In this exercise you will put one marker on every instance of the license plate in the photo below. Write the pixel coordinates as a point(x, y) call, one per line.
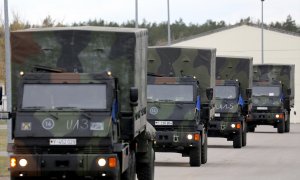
point(164, 123)
point(217, 115)
point(63, 142)
point(262, 108)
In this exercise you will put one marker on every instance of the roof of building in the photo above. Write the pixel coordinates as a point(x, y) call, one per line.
point(231, 27)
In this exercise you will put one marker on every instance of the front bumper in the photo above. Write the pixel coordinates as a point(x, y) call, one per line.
point(63, 165)
point(257, 118)
point(223, 128)
point(174, 141)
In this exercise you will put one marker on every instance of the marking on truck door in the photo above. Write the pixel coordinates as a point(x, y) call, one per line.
point(97, 126)
point(153, 110)
point(224, 106)
point(26, 126)
point(77, 124)
point(48, 124)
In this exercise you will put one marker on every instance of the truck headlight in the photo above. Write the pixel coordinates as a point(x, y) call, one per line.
point(101, 162)
point(23, 162)
point(233, 125)
point(189, 136)
point(279, 116)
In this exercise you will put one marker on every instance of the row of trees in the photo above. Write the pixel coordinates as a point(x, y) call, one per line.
point(157, 31)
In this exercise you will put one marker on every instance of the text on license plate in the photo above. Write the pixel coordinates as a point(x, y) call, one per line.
point(63, 142)
point(164, 123)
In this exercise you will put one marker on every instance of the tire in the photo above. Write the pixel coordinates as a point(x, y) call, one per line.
point(237, 140)
point(251, 128)
point(281, 127)
point(195, 156)
point(288, 124)
point(129, 174)
point(204, 151)
point(244, 135)
point(145, 171)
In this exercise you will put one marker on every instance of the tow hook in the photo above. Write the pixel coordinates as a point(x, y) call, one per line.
point(175, 138)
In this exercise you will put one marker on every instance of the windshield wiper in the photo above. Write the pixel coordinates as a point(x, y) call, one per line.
point(166, 100)
point(66, 107)
point(35, 107)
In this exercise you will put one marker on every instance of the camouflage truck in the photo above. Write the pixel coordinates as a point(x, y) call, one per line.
point(79, 104)
point(273, 96)
point(180, 99)
point(233, 92)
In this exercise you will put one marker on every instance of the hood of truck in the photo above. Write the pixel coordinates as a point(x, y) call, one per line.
point(266, 101)
point(62, 124)
point(171, 111)
point(226, 106)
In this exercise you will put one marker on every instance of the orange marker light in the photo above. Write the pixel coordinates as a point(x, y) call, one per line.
point(279, 116)
point(197, 137)
point(112, 162)
point(238, 126)
point(13, 162)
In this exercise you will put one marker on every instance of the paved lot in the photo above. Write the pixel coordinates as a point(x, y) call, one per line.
point(268, 155)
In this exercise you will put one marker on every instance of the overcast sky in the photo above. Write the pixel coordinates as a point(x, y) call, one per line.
point(195, 11)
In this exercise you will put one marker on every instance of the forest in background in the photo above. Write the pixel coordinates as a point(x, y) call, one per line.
point(157, 31)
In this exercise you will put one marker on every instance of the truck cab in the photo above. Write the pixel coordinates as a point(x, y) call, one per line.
point(229, 119)
point(63, 117)
point(268, 106)
point(273, 96)
point(174, 111)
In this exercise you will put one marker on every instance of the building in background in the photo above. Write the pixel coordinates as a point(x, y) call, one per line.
point(280, 47)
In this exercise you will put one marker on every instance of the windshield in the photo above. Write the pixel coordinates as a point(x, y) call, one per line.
point(52, 96)
point(266, 91)
point(226, 92)
point(172, 92)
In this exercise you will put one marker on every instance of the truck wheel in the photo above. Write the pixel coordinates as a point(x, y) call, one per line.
point(204, 151)
point(244, 135)
point(129, 174)
point(145, 171)
point(195, 155)
point(251, 128)
point(287, 124)
point(281, 127)
point(237, 140)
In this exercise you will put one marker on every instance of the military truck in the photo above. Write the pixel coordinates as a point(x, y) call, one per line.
point(180, 99)
point(273, 96)
point(79, 104)
point(233, 93)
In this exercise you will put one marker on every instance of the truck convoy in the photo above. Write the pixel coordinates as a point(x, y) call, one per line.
point(79, 104)
point(180, 99)
point(233, 93)
point(273, 96)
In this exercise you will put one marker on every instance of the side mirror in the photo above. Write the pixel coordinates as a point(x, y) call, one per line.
point(134, 96)
point(248, 93)
point(0, 95)
point(289, 91)
point(209, 93)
